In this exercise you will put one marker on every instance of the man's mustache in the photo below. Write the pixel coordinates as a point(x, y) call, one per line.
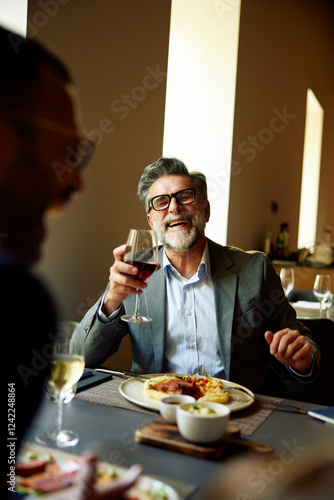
point(172, 218)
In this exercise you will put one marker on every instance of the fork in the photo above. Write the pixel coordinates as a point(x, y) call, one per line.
point(291, 408)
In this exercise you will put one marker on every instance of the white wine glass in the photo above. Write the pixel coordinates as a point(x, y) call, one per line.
point(322, 289)
point(142, 253)
point(287, 276)
point(67, 364)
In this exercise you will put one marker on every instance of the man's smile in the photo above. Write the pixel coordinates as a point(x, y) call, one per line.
point(177, 223)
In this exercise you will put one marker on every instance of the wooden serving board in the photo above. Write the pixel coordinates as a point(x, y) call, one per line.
point(165, 435)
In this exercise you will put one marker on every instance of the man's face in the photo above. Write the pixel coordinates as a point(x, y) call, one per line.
point(33, 183)
point(178, 227)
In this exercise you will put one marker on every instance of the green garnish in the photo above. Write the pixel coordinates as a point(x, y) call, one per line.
point(159, 494)
point(111, 472)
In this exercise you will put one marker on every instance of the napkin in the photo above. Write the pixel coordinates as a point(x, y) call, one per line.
point(304, 304)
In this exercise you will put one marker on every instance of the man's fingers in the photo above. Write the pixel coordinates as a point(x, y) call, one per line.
point(119, 252)
point(87, 476)
point(269, 337)
point(281, 340)
point(119, 486)
point(86, 488)
point(124, 275)
point(290, 347)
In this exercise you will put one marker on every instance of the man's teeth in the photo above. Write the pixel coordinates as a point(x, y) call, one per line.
point(177, 223)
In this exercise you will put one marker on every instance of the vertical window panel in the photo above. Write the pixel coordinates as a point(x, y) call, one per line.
point(311, 172)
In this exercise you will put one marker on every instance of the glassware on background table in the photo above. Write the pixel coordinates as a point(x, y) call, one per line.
point(329, 303)
point(287, 276)
point(322, 289)
point(67, 364)
point(143, 254)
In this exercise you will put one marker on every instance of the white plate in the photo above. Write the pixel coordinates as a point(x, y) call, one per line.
point(145, 483)
point(132, 390)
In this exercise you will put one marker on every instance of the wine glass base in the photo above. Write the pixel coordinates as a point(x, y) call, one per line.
point(136, 319)
point(61, 439)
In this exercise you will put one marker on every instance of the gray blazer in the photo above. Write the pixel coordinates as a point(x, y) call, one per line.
point(248, 300)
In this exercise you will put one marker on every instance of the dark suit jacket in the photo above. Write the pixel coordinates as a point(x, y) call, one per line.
point(28, 327)
point(248, 300)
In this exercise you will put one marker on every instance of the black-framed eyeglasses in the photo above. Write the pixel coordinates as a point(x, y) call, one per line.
point(183, 197)
point(84, 147)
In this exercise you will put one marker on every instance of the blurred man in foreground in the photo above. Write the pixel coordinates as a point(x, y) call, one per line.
point(43, 152)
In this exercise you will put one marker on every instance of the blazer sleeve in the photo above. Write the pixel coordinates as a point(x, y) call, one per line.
point(100, 340)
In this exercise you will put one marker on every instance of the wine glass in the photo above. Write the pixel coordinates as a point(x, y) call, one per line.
point(322, 289)
point(142, 253)
point(330, 306)
point(287, 276)
point(67, 364)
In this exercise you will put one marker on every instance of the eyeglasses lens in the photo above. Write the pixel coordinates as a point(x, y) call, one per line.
point(182, 197)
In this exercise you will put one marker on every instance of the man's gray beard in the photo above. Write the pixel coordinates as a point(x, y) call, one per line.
point(183, 240)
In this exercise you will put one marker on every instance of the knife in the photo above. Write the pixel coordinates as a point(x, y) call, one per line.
point(124, 374)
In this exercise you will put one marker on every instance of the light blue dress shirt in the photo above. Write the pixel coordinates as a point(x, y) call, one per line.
point(191, 343)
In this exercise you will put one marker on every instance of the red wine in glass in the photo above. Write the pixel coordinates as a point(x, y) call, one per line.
point(142, 253)
point(145, 269)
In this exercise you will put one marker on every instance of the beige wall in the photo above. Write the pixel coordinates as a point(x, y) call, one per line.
point(286, 46)
point(110, 46)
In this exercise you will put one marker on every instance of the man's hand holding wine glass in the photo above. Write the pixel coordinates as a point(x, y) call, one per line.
point(122, 282)
point(124, 279)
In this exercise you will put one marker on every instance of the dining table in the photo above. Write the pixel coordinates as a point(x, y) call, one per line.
point(109, 423)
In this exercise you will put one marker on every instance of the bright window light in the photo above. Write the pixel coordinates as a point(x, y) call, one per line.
point(311, 172)
point(13, 15)
point(200, 97)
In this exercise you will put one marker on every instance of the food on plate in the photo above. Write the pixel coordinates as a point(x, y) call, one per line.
point(201, 410)
point(41, 473)
point(31, 465)
point(221, 397)
point(50, 482)
point(201, 388)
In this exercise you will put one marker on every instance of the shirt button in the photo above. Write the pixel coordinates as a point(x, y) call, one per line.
point(191, 345)
point(188, 313)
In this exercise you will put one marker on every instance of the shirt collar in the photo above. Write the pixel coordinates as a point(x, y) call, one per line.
point(204, 265)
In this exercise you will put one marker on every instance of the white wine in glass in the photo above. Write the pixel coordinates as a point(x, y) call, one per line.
point(66, 367)
point(322, 289)
point(142, 253)
point(287, 276)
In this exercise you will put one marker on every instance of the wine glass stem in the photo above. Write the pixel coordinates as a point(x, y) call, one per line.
point(137, 304)
point(60, 412)
point(321, 305)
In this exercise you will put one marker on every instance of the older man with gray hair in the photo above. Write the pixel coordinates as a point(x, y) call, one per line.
point(215, 309)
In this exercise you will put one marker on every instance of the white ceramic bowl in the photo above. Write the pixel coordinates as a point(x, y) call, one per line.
point(199, 428)
point(168, 405)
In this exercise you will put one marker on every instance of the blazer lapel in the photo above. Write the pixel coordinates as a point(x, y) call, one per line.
point(224, 286)
point(153, 301)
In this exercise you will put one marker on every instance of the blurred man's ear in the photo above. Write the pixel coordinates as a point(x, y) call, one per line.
point(8, 145)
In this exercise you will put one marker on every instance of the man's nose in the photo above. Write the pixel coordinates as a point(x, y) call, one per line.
point(174, 206)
